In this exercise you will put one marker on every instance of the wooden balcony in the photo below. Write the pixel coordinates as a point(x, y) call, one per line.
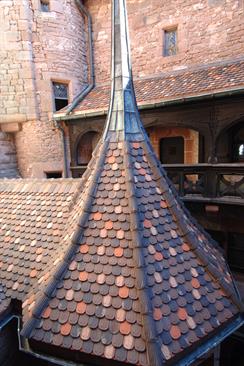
point(215, 183)
point(220, 183)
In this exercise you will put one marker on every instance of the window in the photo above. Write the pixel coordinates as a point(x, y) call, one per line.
point(60, 92)
point(170, 42)
point(172, 150)
point(240, 151)
point(50, 175)
point(237, 143)
point(45, 5)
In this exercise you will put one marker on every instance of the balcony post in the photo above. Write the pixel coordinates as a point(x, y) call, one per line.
point(210, 182)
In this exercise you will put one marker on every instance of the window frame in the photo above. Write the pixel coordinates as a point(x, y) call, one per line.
point(62, 82)
point(173, 28)
point(45, 6)
point(53, 172)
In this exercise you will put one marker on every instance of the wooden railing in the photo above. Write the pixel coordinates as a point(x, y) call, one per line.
point(202, 180)
point(208, 180)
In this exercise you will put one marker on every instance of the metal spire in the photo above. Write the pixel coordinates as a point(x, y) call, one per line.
point(123, 121)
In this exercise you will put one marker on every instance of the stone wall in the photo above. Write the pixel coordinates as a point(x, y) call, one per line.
point(59, 47)
point(191, 141)
point(207, 30)
point(38, 48)
point(17, 101)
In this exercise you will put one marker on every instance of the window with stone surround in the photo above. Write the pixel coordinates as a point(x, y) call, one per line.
point(45, 5)
point(60, 95)
point(170, 42)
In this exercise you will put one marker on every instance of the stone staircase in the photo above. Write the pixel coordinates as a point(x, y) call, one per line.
point(8, 159)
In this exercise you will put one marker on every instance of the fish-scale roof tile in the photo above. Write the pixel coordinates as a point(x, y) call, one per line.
point(32, 220)
point(135, 279)
point(98, 306)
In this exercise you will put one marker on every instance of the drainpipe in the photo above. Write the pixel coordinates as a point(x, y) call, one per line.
point(91, 84)
point(64, 148)
point(85, 91)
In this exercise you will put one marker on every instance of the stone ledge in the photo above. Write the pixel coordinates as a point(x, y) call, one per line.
point(13, 118)
point(10, 127)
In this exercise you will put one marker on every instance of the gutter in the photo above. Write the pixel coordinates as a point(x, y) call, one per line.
point(188, 360)
point(25, 348)
point(91, 84)
point(211, 343)
point(172, 102)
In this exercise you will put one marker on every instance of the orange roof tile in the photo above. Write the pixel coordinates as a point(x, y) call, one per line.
point(215, 78)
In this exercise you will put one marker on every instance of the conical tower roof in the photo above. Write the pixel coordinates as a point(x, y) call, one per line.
point(140, 282)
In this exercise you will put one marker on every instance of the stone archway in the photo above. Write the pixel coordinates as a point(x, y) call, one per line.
point(190, 143)
point(230, 144)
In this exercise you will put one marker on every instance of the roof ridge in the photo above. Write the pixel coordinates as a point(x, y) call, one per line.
point(153, 349)
point(159, 173)
point(123, 118)
point(59, 271)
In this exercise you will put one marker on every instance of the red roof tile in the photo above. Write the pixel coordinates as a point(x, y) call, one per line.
point(182, 84)
point(111, 292)
point(28, 248)
point(126, 306)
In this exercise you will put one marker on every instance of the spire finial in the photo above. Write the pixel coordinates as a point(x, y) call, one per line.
point(123, 118)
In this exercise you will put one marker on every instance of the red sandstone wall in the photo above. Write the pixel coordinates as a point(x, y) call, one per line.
point(208, 31)
point(191, 141)
point(58, 51)
point(59, 46)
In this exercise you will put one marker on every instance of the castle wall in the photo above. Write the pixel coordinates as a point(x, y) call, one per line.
point(207, 31)
point(38, 48)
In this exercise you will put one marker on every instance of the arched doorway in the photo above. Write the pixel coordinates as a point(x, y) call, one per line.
point(85, 147)
point(230, 144)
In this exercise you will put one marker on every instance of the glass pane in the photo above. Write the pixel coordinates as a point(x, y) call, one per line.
point(170, 42)
point(241, 151)
point(60, 91)
point(45, 5)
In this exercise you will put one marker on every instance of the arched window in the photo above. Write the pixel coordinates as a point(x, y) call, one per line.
point(238, 143)
point(85, 147)
point(241, 151)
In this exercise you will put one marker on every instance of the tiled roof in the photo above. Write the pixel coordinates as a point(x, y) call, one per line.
point(132, 278)
point(138, 268)
point(190, 83)
point(33, 214)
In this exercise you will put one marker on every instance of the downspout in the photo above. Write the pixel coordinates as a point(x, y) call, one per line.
point(91, 84)
point(85, 91)
point(64, 149)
